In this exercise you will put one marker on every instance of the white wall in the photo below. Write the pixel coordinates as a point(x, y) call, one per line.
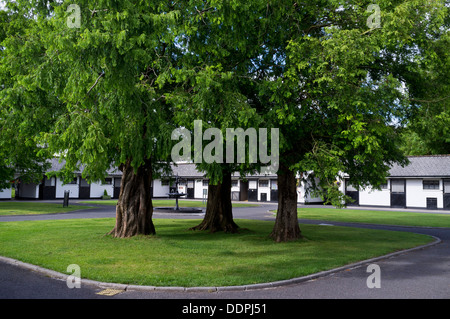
point(72, 188)
point(374, 197)
point(304, 198)
point(97, 190)
point(236, 188)
point(5, 193)
point(198, 188)
point(264, 189)
point(416, 196)
point(159, 190)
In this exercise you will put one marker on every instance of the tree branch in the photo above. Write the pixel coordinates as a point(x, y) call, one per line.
point(317, 26)
point(430, 101)
point(96, 81)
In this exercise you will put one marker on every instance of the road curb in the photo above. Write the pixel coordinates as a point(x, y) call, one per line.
point(269, 285)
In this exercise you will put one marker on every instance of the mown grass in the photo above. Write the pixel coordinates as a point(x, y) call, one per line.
point(31, 208)
point(179, 257)
point(36, 207)
point(166, 203)
point(376, 217)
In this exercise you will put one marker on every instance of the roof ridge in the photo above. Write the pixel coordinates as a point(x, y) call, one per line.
point(436, 155)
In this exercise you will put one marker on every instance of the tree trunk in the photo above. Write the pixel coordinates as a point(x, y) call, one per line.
point(286, 224)
point(219, 215)
point(134, 208)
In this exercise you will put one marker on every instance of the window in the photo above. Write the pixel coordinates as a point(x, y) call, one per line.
point(165, 182)
point(398, 186)
point(274, 185)
point(431, 203)
point(205, 182)
point(430, 184)
point(73, 181)
point(447, 186)
point(83, 183)
point(234, 183)
point(350, 187)
point(108, 181)
point(384, 185)
point(252, 184)
point(49, 182)
point(264, 183)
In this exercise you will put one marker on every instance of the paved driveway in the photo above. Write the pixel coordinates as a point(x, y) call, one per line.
point(423, 273)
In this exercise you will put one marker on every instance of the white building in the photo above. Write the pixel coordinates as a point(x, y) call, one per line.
point(54, 187)
point(424, 183)
point(5, 193)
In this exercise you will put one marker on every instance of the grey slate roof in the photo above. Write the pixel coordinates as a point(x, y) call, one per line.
point(419, 166)
point(186, 170)
point(423, 166)
point(57, 165)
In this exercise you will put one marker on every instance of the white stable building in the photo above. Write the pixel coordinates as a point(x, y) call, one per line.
point(54, 187)
point(424, 183)
point(193, 183)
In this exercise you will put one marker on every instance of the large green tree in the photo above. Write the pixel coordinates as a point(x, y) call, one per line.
point(219, 40)
point(21, 121)
point(330, 75)
point(341, 90)
point(429, 121)
point(333, 76)
point(98, 63)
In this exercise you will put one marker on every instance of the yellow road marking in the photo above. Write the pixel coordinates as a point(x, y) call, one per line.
point(110, 292)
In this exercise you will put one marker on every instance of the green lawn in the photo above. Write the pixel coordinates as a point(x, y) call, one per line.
point(31, 208)
point(178, 257)
point(167, 203)
point(376, 217)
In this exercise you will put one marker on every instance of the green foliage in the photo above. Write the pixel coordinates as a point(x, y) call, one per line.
point(21, 118)
point(339, 88)
point(214, 84)
point(429, 95)
point(95, 87)
point(412, 144)
point(115, 88)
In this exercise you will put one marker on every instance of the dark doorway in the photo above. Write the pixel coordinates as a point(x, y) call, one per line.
point(274, 190)
point(263, 197)
point(47, 189)
point(253, 190)
point(190, 190)
point(431, 203)
point(398, 193)
point(85, 189)
point(446, 193)
point(243, 191)
point(116, 191)
point(353, 193)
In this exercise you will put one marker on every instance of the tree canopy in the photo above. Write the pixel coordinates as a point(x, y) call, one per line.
point(104, 84)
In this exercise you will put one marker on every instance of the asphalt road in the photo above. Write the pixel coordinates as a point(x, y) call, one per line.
point(418, 274)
